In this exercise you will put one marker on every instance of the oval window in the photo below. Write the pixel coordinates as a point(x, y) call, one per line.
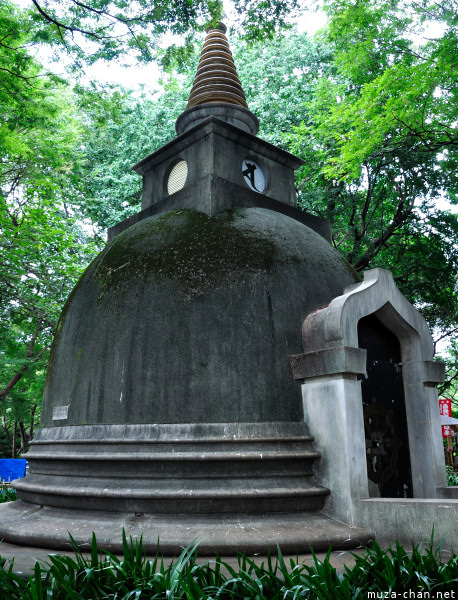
point(177, 177)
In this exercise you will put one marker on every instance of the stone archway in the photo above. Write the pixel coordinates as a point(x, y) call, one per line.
point(331, 369)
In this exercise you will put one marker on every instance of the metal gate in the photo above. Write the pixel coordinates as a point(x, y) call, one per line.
point(385, 421)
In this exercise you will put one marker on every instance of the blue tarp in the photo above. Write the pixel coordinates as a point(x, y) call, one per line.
point(12, 468)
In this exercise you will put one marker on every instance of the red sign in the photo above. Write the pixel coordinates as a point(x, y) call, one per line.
point(445, 409)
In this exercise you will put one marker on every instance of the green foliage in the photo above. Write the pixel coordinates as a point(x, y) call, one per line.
point(102, 575)
point(371, 170)
point(279, 78)
point(120, 130)
point(115, 29)
point(263, 19)
point(350, 104)
point(382, 215)
point(452, 477)
point(42, 245)
point(371, 108)
point(7, 493)
point(401, 89)
point(398, 569)
point(449, 388)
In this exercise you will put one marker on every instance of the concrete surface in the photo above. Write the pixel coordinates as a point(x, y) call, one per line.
point(335, 327)
point(223, 534)
point(185, 318)
point(330, 368)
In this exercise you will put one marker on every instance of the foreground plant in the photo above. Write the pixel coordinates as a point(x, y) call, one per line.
point(7, 493)
point(452, 477)
point(102, 575)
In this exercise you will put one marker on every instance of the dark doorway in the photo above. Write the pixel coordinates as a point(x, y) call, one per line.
point(385, 421)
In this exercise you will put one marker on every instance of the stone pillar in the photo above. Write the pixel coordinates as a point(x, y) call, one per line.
point(333, 413)
point(422, 407)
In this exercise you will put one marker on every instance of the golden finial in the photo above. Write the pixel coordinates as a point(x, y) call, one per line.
point(216, 79)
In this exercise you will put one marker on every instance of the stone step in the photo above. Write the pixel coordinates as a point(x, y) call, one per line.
point(175, 464)
point(192, 469)
point(165, 496)
point(49, 527)
point(159, 488)
point(191, 456)
point(173, 437)
point(177, 445)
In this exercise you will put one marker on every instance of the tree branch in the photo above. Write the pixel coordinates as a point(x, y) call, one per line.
point(446, 334)
point(6, 431)
point(23, 77)
point(441, 388)
point(23, 368)
point(24, 440)
point(61, 25)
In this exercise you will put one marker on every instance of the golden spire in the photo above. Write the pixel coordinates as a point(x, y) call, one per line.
point(216, 79)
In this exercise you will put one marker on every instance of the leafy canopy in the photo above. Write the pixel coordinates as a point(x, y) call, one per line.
point(114, 29)
point(42, 246)
point(401, 85)
point(370, 107)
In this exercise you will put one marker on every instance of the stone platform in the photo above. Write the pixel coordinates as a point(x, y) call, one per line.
point(33, 525)
point(231, 487)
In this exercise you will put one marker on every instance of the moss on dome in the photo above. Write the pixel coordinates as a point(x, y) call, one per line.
point(199, 252)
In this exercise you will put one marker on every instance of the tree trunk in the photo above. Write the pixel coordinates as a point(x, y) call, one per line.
point(13, 448)
point(20, 372)
point(24, 440)
point(7, 433)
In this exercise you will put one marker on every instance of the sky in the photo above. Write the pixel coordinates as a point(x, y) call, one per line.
point(149, 75)
point(111, 72)
point(135, 75)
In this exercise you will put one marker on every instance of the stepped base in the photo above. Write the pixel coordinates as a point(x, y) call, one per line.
point(27, 524)
point(232, 487)
point(237, 468)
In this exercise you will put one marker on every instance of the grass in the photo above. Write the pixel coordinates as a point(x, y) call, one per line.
point(101, 575)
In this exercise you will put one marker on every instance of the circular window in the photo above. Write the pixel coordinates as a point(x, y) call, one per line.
point(253, 175)
point(177, 177)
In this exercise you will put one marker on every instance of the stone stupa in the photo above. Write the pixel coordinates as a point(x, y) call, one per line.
point(170, 407)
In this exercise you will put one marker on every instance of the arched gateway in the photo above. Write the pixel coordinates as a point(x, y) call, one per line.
point(368, 374)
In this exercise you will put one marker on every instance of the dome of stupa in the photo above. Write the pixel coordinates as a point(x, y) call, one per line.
point(185, 318)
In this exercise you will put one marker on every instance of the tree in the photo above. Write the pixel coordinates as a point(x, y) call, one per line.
point(404, 84)
point(383, 215)
point(374, 168)
point(114, 29)
point(383, 196)
point(378, 142)
point(449, 388)
point(120, 129)
point(279, 78)
point(42, 247)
